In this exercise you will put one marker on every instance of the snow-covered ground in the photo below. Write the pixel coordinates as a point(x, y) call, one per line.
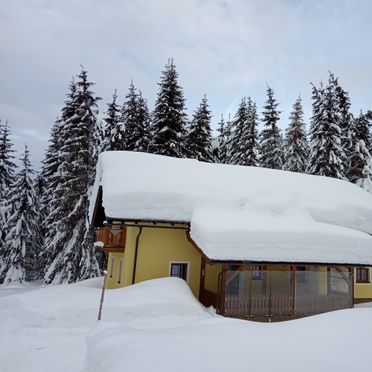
point(159, 326)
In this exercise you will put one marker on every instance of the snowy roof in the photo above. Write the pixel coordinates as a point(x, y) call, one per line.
point(239, 212)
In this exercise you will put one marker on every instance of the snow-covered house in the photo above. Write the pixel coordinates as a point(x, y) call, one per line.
point(253, 242)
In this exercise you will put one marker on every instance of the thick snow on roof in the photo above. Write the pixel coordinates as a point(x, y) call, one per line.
point(239, 212)
point(292, 237)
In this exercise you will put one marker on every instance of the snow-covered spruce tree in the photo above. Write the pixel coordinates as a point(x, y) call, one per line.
point(271, 142)
point(22, 245)
point(251, 156)
point(296, 147)
point(50, 175)
point(199, 138)
point(143, 128)
point(69, 239)
point(168, 128)
point(218, 154)
point(346, 119)
point(7, 178)
point(327, 156)
point(7, 165)
point(238, 124)
point(129, 117)
point(360, 169)
point(227, 145)
point(245, 144)
point(51, 162)
point(136, 119)
point(114, 127)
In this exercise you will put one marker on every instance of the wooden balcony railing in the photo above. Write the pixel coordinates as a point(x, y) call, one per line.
point(112, 237)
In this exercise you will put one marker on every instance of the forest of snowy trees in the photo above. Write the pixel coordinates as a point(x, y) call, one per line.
point(45, 234)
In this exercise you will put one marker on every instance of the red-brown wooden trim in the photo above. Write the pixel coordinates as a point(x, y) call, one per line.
point(293, 287)
point(190, 239)
point(202, 277)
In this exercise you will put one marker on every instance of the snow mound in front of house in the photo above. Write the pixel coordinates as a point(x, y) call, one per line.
point(158, 326)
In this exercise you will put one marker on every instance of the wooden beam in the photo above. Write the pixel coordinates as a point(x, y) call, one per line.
point(351, 269)
point(293, 287)
point(202, 278)
point(237, 272)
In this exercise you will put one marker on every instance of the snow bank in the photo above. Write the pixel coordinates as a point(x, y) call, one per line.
point(157, 325)
point(150, 339)
point(43, 328)
point(242, 213)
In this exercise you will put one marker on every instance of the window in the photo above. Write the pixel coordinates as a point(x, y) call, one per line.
point(257, 273)
point(179, 270)
point(120, 269)
point(362, 275)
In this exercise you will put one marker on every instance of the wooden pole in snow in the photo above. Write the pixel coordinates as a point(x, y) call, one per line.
point(102, 297)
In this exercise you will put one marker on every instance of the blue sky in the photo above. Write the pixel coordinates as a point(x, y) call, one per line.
point(224, 49)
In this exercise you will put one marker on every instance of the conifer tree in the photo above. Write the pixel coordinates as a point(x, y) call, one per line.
point(143, 125)
point(227, 144)
point(271, 142)
point(327, 156)
point(7, 178)
point(238, 124)
point(199, 138)
point(114, 136)
point(251, 135)
point(68, 239)
point(218, 153)
point(129, 117)
point(169, 118)
point(360, 169)
point(22, 245)
point(346, 119)
point(245, 143)
point(296, 148)
point(50, 175)
point(7, 165)
point(136, 119)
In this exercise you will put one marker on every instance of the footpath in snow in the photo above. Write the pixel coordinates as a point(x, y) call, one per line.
point(159, 326)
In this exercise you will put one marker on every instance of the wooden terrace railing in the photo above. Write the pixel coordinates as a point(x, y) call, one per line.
point(283, 293)
point(113, 238)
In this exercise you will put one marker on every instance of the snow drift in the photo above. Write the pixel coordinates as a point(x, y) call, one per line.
point(160, 326)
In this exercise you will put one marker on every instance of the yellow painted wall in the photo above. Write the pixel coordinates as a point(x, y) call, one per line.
point(114, 279)
point(211, 276)
point(158, 248)
point(362, 290)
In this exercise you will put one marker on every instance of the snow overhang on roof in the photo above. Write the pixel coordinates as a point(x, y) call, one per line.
point(239, 212)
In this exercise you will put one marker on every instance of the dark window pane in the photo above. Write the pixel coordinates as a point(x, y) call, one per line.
point(179, 270)
point(257, 273)
point(362, 275)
